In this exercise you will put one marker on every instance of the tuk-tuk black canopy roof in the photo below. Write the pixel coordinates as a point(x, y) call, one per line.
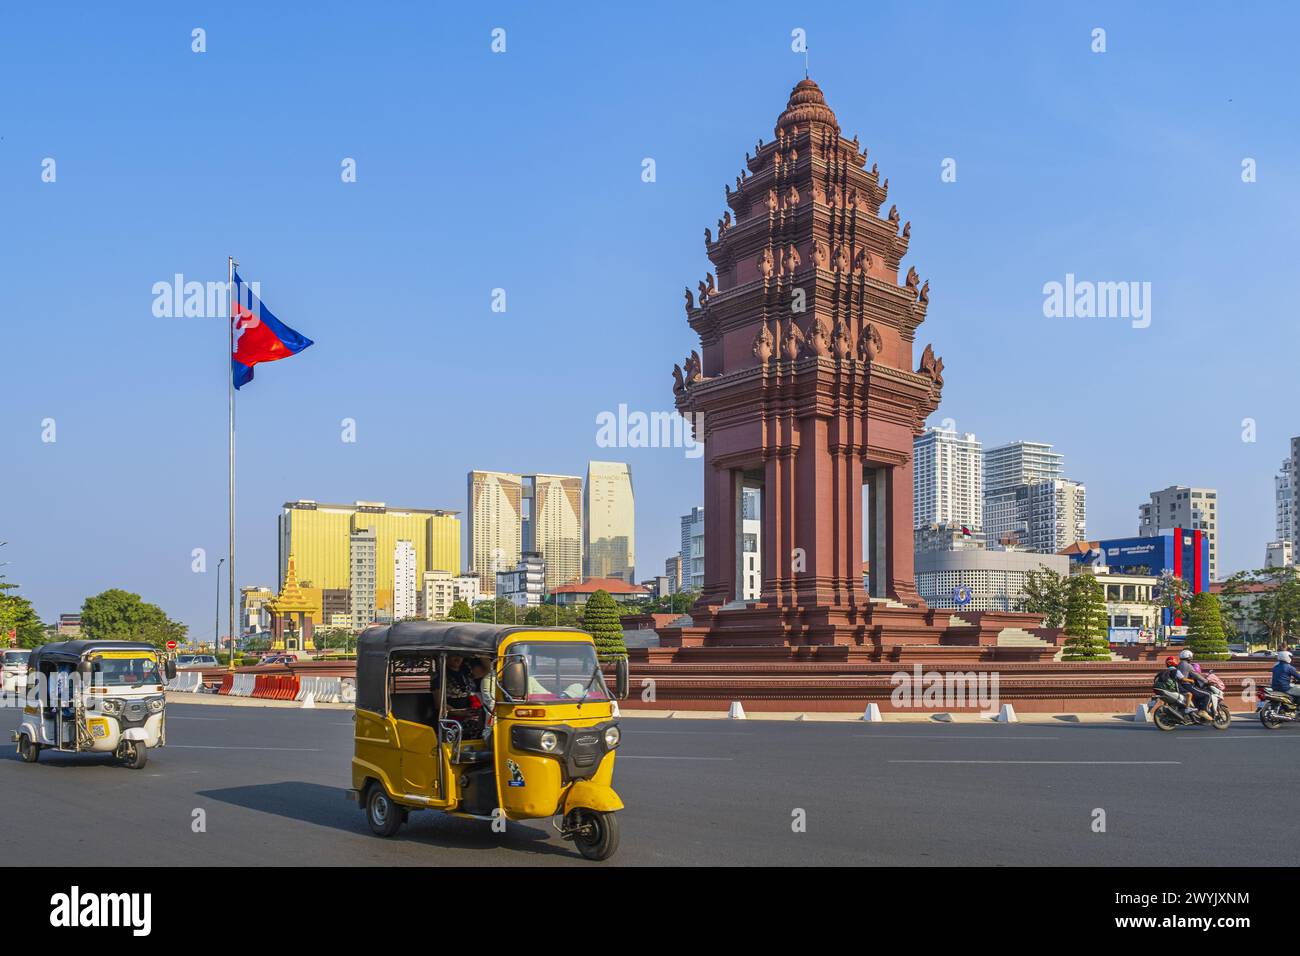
point(444, 636)
point(70, 652)
point(470, 639)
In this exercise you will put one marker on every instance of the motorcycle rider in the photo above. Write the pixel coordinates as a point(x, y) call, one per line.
point(1284, 674)
point(1194, 684)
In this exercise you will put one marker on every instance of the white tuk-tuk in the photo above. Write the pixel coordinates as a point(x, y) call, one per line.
point(94, 697)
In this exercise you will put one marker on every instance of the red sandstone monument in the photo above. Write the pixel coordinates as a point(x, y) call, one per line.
point(809, 392)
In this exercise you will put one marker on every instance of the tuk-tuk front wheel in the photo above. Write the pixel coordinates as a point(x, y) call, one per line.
point(134, 754)
point(28, 749)
point(384, 816)
point(595, 833)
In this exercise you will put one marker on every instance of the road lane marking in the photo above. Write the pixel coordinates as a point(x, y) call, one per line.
point(1104, 763)
point(301, 750)
point(649, 757)
point(888, 736)
point(697, 733)
point(179, 717)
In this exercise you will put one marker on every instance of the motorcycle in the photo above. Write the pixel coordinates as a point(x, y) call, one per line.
point(1275, 707)
point(1170, 709)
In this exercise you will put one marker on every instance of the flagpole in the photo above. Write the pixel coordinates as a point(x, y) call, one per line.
point(230, 395)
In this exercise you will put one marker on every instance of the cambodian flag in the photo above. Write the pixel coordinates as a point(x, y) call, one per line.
point(259, 335)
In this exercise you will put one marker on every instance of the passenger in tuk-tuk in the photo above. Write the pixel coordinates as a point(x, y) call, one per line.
point(463, 703)
point(480, 669)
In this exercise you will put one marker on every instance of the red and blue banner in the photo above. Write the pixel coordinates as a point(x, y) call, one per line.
point(259, 335)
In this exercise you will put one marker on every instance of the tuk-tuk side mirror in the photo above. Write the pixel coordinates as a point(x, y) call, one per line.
point(514, 679)
point(170, 669)
point(621, 679)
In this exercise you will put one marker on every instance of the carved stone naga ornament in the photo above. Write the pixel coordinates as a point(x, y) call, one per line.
point(792, 341)
point(870, 345)
point(931, 366)
point(842, 341)
point(764, 344)
point(819, 338)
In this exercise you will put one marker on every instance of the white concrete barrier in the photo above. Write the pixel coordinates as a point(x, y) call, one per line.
point(187, 681)
point(1007, 715)
point(872, 713)
point(736, 711)
point(1142, 715)
point(243, 685)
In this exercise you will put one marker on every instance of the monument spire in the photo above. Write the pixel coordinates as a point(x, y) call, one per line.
point(807, 392)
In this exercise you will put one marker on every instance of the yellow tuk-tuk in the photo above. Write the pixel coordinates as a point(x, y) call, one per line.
point(488, 722)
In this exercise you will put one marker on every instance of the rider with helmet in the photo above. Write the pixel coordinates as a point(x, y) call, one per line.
point(1193, 683)
point(1284, 674)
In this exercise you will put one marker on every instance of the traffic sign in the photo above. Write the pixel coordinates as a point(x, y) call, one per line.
point(171, 645)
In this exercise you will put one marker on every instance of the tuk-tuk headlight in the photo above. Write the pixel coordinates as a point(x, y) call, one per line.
point(111, 706)
point(156, 705)
point(612, 736)
point(548, 741)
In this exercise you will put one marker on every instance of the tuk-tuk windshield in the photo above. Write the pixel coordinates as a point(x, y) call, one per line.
point(17, 657)
point(561, 672)
point(127, 670)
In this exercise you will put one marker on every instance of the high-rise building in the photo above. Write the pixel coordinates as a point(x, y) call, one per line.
point(254, 615)
point(1192, 509)
point(439, 594)
point(1284, 502)
point(404, 587)
point(525, 584)
point(1019, 463)
point(673, 572)
point(1043, 515)
point(692, 553)
point(318, 536)
point(496, 532)
point(363, 577)
point(552, 525)
point(947, 479)
point(1287, 497)
point(608, 519)
point(1279, 554)
point(751, 545)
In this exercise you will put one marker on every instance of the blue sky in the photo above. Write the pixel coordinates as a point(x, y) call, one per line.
point(522, 171)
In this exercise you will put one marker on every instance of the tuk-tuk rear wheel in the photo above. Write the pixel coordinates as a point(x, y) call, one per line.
point(595, 833)
point(28, 750)
point(384, 816)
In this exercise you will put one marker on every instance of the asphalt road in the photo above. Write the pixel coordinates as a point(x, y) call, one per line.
point(271, 783)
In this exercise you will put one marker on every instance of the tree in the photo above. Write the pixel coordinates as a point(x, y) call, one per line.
point(1044, 594)
point(497, 611)
point(548, 615)
point(1268, 599)
point(1085, 619)
point(334, 638)
point(1205, 628)
point(1174, 594)
point(460, 611)
point(600, 619)
point(117, 615)
point(17, 616)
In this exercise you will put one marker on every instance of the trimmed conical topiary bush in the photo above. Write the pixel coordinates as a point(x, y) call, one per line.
point(1205, 637)
point(600, 618)
point(1085, 620)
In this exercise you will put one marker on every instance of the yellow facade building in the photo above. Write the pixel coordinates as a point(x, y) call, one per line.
point(318, 536)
